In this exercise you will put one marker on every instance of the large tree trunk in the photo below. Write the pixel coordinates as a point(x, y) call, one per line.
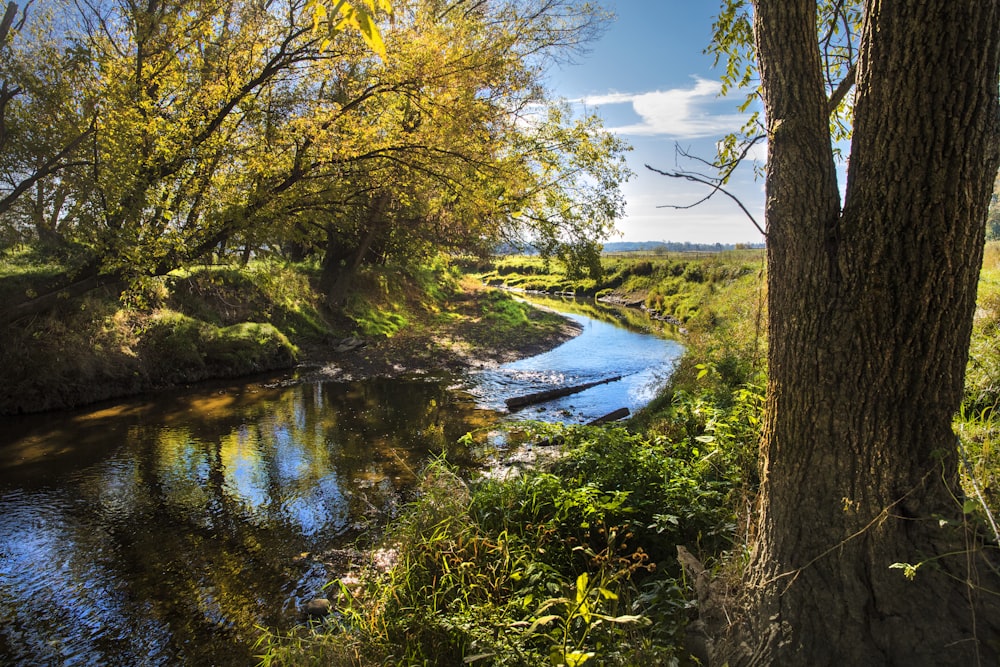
point(870, 317)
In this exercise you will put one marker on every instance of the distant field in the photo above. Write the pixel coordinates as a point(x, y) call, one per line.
point(752, 253)
point(676, 285)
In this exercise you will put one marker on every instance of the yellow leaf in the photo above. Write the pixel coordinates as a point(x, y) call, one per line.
point(574, 658)
point(363, 21)
point(581, 587)
point(319, 13)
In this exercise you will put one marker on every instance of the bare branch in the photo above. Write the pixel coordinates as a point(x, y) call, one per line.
point(716, 187)
point(726, 168)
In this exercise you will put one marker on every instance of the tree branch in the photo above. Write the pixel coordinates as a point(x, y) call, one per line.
point(7, 22)
point(841, 92)
point(714, 182)
point(716, 187)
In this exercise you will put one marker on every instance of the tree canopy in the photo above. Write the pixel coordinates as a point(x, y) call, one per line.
point(141, 137)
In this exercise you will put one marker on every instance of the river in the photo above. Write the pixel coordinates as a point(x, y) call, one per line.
point(164, 531)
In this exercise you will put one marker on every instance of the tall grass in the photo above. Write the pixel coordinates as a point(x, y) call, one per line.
point(568, 565)
point(978, 423)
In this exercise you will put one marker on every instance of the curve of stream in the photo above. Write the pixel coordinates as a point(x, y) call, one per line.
point(603, 350)
point(164, 531)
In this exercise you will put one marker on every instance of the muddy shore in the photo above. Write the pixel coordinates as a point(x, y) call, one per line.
point(462, 341)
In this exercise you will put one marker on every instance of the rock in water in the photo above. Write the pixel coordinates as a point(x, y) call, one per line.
point(317, 607)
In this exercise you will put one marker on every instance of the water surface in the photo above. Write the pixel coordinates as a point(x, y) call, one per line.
point(605, 349)
point(164, 531)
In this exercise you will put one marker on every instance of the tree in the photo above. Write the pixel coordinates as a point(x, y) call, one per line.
point(430, 149)
point(46, 115)
point(174, 92)
point(235, 124)
point(870, 304)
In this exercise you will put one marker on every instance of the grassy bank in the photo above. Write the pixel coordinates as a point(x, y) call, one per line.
point(718, 299)
point(576, 562)
point(677, 286)
point(210, 323)
point(223, 321)
point(978, 423)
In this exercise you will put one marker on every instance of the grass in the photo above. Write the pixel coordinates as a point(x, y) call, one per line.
point(574, 563)
point(678, 288)
point(24, 273)
point(570, 566)
point(978, 423)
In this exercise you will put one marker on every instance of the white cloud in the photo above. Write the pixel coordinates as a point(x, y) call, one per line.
point(681, 113)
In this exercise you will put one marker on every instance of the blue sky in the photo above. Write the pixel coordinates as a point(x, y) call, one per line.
point(650, 81)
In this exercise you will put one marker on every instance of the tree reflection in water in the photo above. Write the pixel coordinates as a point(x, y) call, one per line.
point(164, 533)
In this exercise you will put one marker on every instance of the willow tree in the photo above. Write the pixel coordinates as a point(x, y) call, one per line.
point(140, 127)
point(440, 145)
point(862, 554)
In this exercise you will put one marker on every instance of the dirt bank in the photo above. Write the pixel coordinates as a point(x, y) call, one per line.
point(458, 338)
point(100, 352)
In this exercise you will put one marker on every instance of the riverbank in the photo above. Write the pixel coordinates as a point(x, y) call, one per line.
point(225, 322)
point(575, 559)
point(475, 327)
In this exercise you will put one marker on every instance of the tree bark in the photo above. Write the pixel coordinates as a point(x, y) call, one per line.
point(870, 317)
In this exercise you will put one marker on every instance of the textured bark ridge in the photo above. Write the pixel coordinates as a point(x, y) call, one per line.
point(871, 310)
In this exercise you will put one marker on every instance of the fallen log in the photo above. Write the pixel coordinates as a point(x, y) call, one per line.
point(620, 413)
point(518, 402)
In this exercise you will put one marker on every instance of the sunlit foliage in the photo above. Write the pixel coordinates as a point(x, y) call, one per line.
point(139, 138)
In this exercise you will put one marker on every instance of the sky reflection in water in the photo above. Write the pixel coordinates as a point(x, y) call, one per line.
point(163, 533)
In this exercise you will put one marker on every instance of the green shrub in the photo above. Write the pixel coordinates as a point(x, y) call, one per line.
point(177, 348)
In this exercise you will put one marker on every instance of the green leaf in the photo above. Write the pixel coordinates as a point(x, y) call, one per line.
point(628, 618)
point(582, 583)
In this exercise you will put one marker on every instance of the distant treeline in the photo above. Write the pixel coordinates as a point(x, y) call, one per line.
point(645, 246)
point(674, 246)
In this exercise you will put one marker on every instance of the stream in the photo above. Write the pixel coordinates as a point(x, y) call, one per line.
point(164, 530)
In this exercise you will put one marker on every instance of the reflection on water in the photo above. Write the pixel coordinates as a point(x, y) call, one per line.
point(149, 535)
point(604, 350)
point(164, 533)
